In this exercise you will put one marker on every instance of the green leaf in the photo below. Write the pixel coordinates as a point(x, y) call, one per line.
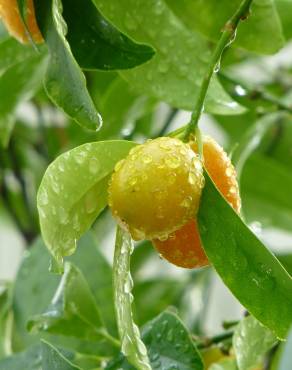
point(64, 82)
point(29, 360)
point(249, 270)
point(284, 8)
point(6, 319)
point(169, 346)
point(285, 360)
point(224, 364)
point(177, 69)
point(95, 43)
point(74, 191)
point(129, 107)
point(73, 311)
point(209, 17)
point(251, 341)
point(267, 201)
point(18, 83)
point(53, 359)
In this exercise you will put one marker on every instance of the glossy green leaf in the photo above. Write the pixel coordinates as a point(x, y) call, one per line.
point(18, 83)
point(210, 16)
point(246, 266)
point(169, 346)
point(74, 191)
point(64, 82)
point(284, 8)
point(53, 359)
point(95, 43)
point(177, 69)
point(29, 360)
point(73, 310)
point(251, 342)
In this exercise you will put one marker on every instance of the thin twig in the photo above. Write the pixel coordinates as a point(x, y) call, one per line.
point(225, 39)
point(207, 342)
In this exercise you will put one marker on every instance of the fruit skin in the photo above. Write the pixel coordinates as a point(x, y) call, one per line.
point(9, 13)
point(157, 188)
point(184, 248)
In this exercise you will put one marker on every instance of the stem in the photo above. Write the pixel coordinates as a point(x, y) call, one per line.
point(255, 93)
point(213, 340)
point(226, 37)
point(132, 345)
point(115, 342)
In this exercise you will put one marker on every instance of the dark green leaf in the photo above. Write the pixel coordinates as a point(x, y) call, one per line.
point(74, 191)
point(248, 269)
point(53, 359)
point(73, 311)
point(64, 81)
point(95, 43)
point(29, 360)
point(169, 346)
point(251, 342)
point(177, 69)
point(210, 17)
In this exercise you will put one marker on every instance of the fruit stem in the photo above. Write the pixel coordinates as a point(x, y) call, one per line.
point(132, 346)
point(207, 342)
point(228, 33)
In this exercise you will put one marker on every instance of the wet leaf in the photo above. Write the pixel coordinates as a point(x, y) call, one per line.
point(74, 191)
point(246, 266)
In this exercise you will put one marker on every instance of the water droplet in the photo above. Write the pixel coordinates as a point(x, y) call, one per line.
point(63, 216)
point(128, 285)
point(132, 181)
point(94, 166)
point(172, 162)
point(43, 198)
point(61, 166)
point(192, 178)
point(147, 159)
point(187, 202)
point(229, 172)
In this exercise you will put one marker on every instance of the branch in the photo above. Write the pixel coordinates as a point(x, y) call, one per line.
point(225, 39)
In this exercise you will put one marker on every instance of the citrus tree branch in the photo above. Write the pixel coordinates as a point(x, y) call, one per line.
point(225, 39)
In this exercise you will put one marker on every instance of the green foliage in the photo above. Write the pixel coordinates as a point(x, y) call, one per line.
point(210, 17)
point(52, 359)
point(74, 191)
point(251, 342)
point(246, 266)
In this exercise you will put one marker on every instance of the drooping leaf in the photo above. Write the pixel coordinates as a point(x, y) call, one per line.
point(28, 360)
point(169, 346)
point(246, 266)
point(177, 69)
point(251, 342)
point(95, 43)
point(74, 191)
point(65, 83)
point(53, 359)
point(209, 17)
point(73, 311)
point(18, 83)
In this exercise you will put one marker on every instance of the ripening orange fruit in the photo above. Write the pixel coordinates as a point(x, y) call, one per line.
point(157, 188)
point(9, 14)
point(183, 248)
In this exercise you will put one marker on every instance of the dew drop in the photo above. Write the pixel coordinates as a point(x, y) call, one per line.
point(63, 216)
point(43, 198)
point(94, 166)
point(147, 159)
point(172, 162)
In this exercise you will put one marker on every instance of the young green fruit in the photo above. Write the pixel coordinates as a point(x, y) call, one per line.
point(157, 188)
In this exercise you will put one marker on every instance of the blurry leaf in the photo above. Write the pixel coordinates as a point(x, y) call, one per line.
point(169, 346)
point(251, 341)
point(95, 43)
point(65, 83)
point(251, 139)
point(35, 287)
point(210, 17)
point(18, 83)
point(285, 359)
point(284, 8)
point(129, 107)
point(74, 191)
point(12, 52)
point(286, 260)
point(177, 69)
point(267, 201)
point(73, 311)
point(53, 359)
point(224, 364)
point(248, 269)
point(5, 319)
point(29, 360)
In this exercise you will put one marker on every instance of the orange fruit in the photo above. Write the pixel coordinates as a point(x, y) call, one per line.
point(9, 14)
point(183, 248)
point(157, 188)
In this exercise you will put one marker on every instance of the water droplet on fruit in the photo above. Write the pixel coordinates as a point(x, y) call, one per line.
point(172, 162)
point(147, 159)
point(187, 202)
